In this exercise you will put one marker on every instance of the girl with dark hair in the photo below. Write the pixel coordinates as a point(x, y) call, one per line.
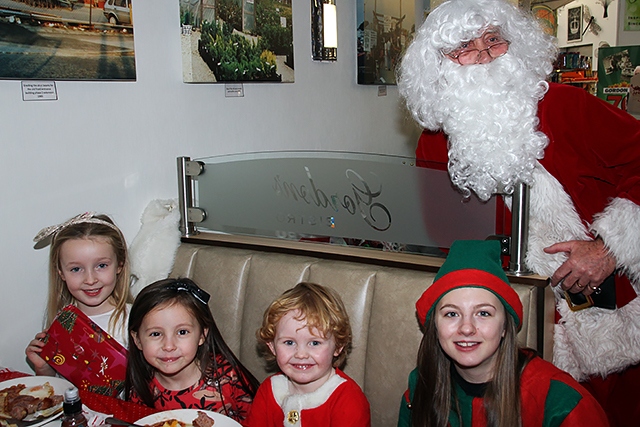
point(178, 358)
point(471, 371)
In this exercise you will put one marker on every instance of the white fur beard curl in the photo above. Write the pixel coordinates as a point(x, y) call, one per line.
point(489, 113)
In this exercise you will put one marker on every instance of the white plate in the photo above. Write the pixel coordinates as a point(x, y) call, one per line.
point(187, 416)
point(59, 386)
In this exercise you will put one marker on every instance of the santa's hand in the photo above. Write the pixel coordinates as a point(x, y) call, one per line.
point(588, 264)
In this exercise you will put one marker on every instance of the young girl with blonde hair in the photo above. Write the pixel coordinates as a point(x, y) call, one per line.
point(89, 268)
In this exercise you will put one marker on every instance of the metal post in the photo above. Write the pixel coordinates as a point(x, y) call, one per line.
point(185, 197)
point(519, 230)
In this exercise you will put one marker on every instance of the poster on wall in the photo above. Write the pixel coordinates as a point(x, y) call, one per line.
point(619, 77)
point(574, 24)
point(546, 17)
point(67, 40)
point(236, 41)
point(384, 29)
point(631, 15)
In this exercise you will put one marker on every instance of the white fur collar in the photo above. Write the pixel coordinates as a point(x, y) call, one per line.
point(293, 404)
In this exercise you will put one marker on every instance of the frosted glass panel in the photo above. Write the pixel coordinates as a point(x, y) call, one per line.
point(338, 196)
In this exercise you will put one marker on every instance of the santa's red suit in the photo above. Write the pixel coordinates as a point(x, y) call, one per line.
point(587, 184)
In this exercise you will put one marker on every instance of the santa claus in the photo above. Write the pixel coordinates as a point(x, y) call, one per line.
point(475, 79)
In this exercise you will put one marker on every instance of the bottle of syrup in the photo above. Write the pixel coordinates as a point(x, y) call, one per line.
point(72, 409)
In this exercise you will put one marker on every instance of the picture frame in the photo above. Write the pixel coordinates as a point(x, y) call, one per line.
point(229, 41)
point(574, 24)
point(384, 29)
point(71, 40)
point(547, 18)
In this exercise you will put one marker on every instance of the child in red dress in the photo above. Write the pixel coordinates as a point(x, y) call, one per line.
point(307, 332)
point(177, 357)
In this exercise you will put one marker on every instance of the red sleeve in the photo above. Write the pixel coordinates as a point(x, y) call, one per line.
point(349, 407)
point(585, 415)
point(590, 136)
point(261, 413)
point(241, 401)
point(551, 397)
point(587, 412)
point(432, 150)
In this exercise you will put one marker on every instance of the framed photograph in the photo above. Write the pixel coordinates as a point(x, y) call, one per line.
point(546, 17)
point(384, 29)
point(67, 40)
point(574, 24)
point(236, 41)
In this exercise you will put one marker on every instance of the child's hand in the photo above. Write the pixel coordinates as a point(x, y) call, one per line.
point(40, 366)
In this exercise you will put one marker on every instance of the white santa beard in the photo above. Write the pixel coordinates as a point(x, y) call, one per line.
point(489, 114)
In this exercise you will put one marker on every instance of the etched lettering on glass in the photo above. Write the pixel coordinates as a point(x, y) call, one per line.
point(364, 196)
point(362, 199)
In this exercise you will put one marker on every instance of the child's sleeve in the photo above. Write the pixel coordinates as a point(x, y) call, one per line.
point(242, 400)
point(259, 410)
point(350, 408)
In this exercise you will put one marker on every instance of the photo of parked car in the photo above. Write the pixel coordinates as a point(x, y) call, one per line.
point(118, 12)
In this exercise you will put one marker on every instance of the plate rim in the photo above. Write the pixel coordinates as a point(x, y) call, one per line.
point(35, 380)
point(215, 415)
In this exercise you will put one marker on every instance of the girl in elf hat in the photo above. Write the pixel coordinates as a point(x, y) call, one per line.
point(471, 371)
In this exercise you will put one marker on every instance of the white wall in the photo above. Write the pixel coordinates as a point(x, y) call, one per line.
point(111, 146)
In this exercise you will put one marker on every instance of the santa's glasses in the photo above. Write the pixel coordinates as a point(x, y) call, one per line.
point(470, 53)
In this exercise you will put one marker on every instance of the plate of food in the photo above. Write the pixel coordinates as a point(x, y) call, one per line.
point(31, 401)
point(187, 418)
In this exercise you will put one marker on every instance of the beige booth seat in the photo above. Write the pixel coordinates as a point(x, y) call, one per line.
point(245, 278)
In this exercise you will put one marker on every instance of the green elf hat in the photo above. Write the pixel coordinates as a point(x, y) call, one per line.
point(471, 264)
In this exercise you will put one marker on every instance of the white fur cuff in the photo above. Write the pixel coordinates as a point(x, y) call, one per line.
point(619, 227)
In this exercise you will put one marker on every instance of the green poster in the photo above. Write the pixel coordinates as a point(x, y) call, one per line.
point(616, 67)
point(632, 15)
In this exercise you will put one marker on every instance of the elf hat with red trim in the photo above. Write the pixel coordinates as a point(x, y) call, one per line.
point(471, 263)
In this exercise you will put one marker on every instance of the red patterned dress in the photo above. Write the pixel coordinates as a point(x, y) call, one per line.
point(221, 392)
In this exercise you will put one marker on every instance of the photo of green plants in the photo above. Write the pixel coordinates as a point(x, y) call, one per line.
point(236, 41)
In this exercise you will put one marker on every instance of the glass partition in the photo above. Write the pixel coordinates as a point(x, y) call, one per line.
point(372, 200)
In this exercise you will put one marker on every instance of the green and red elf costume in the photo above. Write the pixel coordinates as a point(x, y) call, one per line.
point(548, 396)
